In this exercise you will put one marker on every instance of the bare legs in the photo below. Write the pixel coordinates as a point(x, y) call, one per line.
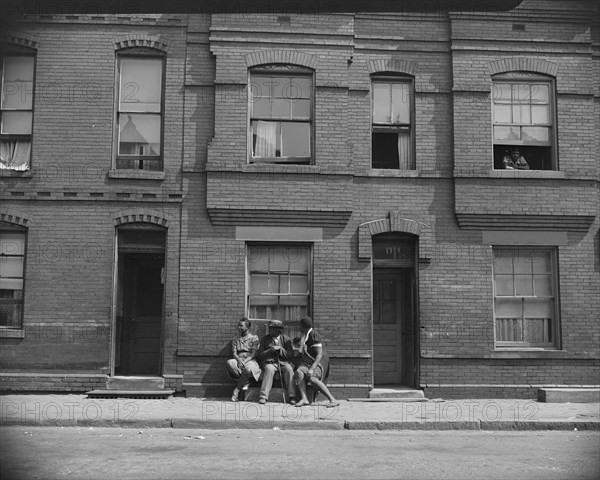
point(302, 379)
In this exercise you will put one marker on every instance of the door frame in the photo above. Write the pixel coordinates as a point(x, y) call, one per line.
point(411, 260)
point(115, 289)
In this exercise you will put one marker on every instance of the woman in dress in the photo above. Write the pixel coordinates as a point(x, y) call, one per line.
point(315, 364)
point(243, 365)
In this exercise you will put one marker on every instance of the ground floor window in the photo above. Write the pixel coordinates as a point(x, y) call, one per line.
point(12, 272)
point(278, 281)
point(525, 297)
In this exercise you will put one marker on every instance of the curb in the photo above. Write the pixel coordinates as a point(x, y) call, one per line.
point(191, 423)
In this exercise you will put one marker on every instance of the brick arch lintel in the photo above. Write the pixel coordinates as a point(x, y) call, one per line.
point(291, 57)
point(520, 64)
point(141, 40)
point(392, 65)
point(19, 38)
point(142, 216)
point(14, 218)
point(392, 223)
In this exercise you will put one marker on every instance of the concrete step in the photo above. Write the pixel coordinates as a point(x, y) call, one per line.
point(399, 392)
point(569, 395)
point(138, 394)
point(135, 383)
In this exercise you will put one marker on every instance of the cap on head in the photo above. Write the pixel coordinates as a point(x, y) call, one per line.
point(275, 324)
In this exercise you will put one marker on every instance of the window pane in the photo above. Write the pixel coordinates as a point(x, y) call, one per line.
point(262, 283)
point(539, 114)
point(281, 108)
point(11, 267)
point(538, 308)
point(521, 93)
point(525, 115)
point(401, 103)
point(141, 84)
point(504, 285)
point(261, 86)
point(506, 133)
point(284, 284)
point(298, 258)
point(502, 114)
point(295, 139)
point(16, 123)
point(297, 300)
point(17, 83)
point(537, 330)
point(11, 283)
point(263, 300)
point(139, 134)
point(300, 87)
point(501, 93)
point(258, 259)
point(522, 262)
point(299, 284)
point(278, 261)
point(381, 103)
point(261, 107)
point(301, 109)
point(503, 262)
point(508, 307)
point(541, 262)
point(542, 285)
point(539, 93)
point(539, 134)
point(523, 286)
point(12, 243)
point(516, 114)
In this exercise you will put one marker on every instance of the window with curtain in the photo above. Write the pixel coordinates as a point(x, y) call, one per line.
point(281, 107)
point(523, 122)
point(393, 123)
point(140, 110)
point(12, 272)
point(278, 282)
point(17, 111)
point(525, 309)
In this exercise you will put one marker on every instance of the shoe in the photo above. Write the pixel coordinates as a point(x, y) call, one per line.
point(234, 396)
point(262, 401)
point(292, 401)
point(246, 387)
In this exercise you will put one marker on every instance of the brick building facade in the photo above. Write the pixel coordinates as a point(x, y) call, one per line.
point(164, 175)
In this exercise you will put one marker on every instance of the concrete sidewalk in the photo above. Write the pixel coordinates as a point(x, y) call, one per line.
point(179, 412)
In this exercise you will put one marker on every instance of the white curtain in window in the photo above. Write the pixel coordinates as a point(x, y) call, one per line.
point(404, 151)
point(14, 155)
point(266, 139)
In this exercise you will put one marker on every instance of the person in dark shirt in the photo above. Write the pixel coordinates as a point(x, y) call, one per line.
point(275, 354)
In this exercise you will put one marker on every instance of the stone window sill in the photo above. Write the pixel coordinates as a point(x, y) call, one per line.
point(16, 173)
point(136, 174)
point(515, 353)
point(528, 174)
point(12, 333)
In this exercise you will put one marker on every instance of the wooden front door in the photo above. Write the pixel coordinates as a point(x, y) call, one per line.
point(393, 325)
point(143, 305)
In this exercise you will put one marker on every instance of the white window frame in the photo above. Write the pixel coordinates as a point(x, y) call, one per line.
point(525, 327)
point(394, 127)
point(274, 245)
point(6, 253)
point(10, 141)
point(140, 161)
point(280, 70)
point(515, 79)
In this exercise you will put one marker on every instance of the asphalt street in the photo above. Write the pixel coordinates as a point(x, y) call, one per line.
point(128, 453)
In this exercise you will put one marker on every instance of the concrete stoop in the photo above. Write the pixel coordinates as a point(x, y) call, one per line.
point(569, 395)
point(393, 394)
point(133, 387)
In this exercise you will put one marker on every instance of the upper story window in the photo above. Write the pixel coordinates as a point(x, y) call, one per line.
point(393, 123)
point(12, 273)
point(18, 68)
point(140, 106)
point(525, 298)
point(281, 114)
point(524, 126)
